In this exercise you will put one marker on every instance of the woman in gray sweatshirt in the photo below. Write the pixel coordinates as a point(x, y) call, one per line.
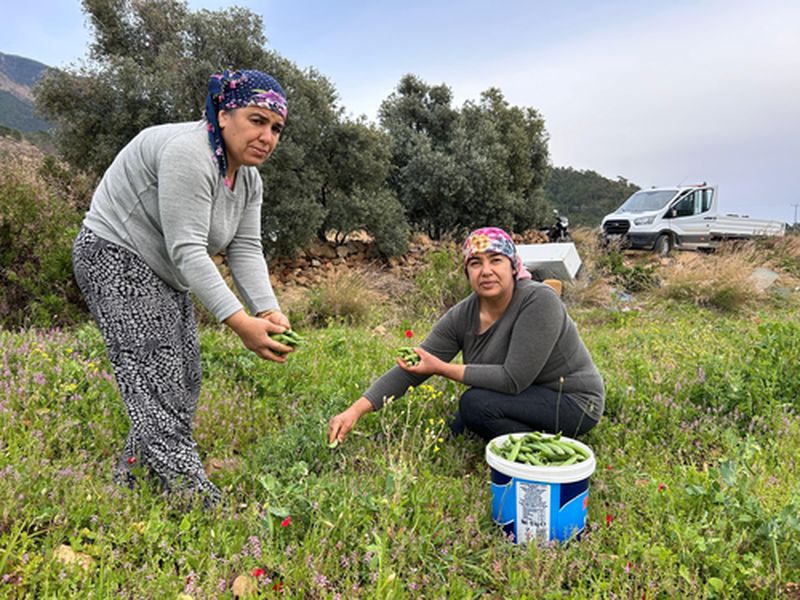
point(523, 359)
point(176, 195)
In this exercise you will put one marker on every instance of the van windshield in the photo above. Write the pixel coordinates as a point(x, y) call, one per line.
point(647, 200)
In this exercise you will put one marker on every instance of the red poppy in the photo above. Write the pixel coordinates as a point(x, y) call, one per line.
point(409, 333)
point(286, 522)
point(131, 460)
point(661, 487)
point(258, 572)
point(609, 519)
point(277, 586)
point(609, 467)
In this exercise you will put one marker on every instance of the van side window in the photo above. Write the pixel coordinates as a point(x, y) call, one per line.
point(708, 194)
point(685, 207)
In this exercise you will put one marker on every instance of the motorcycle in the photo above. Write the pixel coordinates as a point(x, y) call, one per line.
point(559, 230)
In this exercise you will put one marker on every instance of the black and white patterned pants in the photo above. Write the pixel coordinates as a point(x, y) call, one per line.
point(152, 341)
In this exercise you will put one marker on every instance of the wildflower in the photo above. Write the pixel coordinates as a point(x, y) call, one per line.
point(286, 522)
point(609, 467)
point(661, 487)
point(277, 586)
point(131, 460)
point(258, 572)
point(628, 566)
point(436, 448)
point(609, 519)
point(409, 333)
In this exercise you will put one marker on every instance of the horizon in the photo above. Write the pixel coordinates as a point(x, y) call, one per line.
point(656, 94)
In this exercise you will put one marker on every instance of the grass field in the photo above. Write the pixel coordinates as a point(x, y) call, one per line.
point(696, 492)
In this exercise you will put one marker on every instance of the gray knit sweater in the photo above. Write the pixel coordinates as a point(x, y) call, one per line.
point(163, 199)
point(533, 342)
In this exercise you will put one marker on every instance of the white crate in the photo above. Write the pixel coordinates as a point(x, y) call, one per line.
point(551, 261)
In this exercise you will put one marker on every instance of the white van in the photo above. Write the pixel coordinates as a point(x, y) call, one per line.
point(680, 217)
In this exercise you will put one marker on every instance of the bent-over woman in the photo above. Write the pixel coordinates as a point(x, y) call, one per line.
point(176, 195)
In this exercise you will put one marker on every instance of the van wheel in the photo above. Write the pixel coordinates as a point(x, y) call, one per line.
point(663, 244)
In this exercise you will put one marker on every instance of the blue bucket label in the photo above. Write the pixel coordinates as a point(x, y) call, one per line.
point(533, 511)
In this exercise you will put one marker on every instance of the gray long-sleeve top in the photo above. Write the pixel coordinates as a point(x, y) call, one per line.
point(533, 342)
point(164, 199)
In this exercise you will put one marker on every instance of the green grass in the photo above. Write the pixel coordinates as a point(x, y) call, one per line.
point(696, 493)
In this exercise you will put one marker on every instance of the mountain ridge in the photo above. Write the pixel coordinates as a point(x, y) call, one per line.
point(18, 75)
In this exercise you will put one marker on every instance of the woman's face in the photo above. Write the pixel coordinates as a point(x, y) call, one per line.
point(251, 135)
point(490, 275)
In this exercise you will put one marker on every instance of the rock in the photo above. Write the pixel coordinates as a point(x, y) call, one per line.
point(763, 278)
point(244, 586)
point(66, 555)
point(226, 465)
point(315, 263)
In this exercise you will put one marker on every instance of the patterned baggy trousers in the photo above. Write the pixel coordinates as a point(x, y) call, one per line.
point(151, 336)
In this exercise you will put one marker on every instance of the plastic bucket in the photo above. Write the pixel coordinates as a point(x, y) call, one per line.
point(539, 504)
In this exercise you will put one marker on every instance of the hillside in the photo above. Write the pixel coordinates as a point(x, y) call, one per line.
point(17, 108)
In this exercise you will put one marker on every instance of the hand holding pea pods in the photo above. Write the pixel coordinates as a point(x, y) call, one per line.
point(288, 338)
point(539, 450)
point(408, 355)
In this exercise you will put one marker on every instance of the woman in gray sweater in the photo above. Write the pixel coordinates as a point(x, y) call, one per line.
point(523, 359)
point(176, 195)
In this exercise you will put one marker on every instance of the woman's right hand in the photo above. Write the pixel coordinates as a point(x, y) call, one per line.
point(340, 425)
point(254, 333)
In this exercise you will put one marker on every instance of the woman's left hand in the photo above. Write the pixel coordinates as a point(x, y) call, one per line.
point(428, 363)
point(278, 318)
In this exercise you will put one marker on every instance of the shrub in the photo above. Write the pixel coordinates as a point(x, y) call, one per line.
point(637, 277)
point(441, 283)
point(348, 298)
point(722, 282)
point(38, 222)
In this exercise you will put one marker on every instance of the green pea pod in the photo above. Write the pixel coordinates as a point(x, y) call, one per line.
point(515, 450)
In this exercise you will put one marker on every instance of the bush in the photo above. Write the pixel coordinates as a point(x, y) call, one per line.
point(441, 282)
point(637, 277)
point(347, 298)
point(721, 282)
point(38, 222)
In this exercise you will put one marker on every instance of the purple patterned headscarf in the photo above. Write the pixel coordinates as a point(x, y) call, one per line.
point(495, 240)
point(236, 89)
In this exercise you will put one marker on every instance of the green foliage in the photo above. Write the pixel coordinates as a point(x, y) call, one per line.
point(457, 170)
point(346, 298)
point(694, 496)
point(585, 196)
point(354, 193)
point(38, 223)
point(151, 63)
point(637, 277)
point(442, 282)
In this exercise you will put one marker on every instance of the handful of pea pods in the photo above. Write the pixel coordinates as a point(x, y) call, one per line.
point(288, 338)
point(408, 355)
point(540, 450)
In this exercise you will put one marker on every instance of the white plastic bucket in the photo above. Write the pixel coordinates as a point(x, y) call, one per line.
point(535, 503)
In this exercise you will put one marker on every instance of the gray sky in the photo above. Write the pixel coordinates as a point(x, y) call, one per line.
point(657, 92)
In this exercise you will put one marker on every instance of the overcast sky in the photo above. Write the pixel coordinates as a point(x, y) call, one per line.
point(657, 92)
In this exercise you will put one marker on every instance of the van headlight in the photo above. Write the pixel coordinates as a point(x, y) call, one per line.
point(644, 220)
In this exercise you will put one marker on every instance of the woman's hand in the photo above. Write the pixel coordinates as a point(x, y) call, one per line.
point(432, 365)
point(341, 424)
point(428, 364)
point(278, 318)
point(254, 333)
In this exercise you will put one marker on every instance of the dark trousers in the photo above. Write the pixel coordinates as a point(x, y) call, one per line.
point(151, 336)
point(490, 414)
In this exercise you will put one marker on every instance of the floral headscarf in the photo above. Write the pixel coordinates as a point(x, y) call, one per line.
point(236, 89)
point(494, 239)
